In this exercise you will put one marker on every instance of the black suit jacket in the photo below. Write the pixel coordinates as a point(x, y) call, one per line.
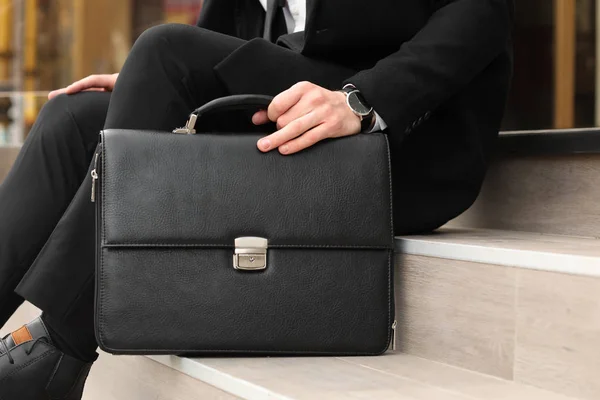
point(437, 71)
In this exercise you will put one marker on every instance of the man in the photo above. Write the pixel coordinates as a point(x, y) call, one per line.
point(433, 75)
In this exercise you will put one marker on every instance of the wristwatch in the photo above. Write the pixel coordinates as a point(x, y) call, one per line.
point(360, 107)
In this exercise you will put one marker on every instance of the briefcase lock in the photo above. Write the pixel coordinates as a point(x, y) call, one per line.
point(250, 254)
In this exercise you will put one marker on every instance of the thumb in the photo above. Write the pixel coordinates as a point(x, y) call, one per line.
point(260, 118)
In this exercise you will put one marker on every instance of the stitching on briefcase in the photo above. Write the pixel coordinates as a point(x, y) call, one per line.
point(101, 250)
point(391, 297)
point(228, 246)
point(389, 171)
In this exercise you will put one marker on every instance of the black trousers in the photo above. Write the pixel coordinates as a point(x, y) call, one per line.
point(46, 217)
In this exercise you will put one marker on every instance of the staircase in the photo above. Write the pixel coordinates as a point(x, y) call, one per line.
point(502, 303)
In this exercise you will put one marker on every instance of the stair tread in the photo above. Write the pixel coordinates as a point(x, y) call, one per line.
point(138, 378)
point(565, 254)
point(392, 376)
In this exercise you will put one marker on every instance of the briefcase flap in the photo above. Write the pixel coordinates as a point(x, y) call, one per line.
point(206, 190)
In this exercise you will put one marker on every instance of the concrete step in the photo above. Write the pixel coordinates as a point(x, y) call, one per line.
point(392, 376)
point(518, 306)
point(140, 378)
point(541, 182)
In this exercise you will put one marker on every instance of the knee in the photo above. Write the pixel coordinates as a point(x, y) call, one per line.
point(162, 36)
point(53, 122)
point(66, 115)
point(55, 110)
point(55, 105)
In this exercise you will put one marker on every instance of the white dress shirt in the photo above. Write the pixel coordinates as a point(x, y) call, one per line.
point(295, 18)
point(295, 14)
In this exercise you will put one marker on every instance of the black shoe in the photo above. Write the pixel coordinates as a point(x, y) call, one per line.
point(32, 368)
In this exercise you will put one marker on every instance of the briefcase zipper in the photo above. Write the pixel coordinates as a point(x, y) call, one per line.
point(95, 174)
point(394, 327)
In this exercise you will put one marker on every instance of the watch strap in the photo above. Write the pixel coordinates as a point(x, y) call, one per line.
point(367, 121)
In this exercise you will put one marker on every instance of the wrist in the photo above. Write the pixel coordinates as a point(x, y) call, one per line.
point(360, 107)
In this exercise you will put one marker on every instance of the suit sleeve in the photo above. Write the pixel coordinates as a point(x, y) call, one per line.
point(459, 41)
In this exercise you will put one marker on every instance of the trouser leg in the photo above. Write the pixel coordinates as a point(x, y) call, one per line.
point(169, 73)
point(46, 175)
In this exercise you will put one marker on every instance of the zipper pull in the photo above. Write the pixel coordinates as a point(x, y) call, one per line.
point(94, 179)
point(394, 326)
point(95, 176)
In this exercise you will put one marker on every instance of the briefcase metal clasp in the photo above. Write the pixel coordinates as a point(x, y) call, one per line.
point(250, 254)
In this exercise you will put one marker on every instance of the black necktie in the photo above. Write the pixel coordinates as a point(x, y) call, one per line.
point(275, 24)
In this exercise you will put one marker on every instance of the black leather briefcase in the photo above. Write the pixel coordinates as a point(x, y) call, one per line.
point(207, 245)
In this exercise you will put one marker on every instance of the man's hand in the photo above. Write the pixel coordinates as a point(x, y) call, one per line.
point(305, 114)
point(100, 83)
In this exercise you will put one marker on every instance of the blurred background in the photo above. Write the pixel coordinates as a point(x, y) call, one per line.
point(47, 44)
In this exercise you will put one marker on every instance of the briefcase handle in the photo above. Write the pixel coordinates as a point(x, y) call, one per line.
point(223, 104)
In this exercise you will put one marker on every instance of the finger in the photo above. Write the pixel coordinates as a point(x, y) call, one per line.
point(58, 92)
point(260, 118)
point(92, 81)
point(287, 99)
point(307, 140)
point(309, 102)
point(291, 131)
point(55, 93)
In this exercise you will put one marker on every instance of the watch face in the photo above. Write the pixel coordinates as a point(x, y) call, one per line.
point(359, 104)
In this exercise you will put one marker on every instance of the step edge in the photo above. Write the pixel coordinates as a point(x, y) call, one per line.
point(527, 259)
point(479, 374)
point(220, 380)
point(245, 389)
